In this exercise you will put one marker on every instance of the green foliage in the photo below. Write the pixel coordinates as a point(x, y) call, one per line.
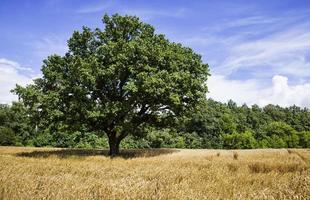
point(192, 140)
point(15, 118)
point(274, 141)
point(162, 138)
point(209, 121)
point(210, 125)
point(281, 135)
point(264, 143)
point(239, 141)
point(43, 139)
point(132, 142)
point(7, 136)
point(66, 139)
point(91, 140)
point(304, 139)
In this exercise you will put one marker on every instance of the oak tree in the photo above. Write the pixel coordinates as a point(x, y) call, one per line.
point(116, 81)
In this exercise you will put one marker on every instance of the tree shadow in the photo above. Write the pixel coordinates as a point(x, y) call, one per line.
point(65, 153)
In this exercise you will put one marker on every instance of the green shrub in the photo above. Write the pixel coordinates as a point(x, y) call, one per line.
point(304, 139)
point(180, 142)
point(281, 135)
point(102, 142)
point(43, 139)
point(192, 140)
point(65, 139)
point(7, 136)
point(276, 142)
point(263, 143)
point(132, 142)
point(160, 138)
point(91, 140)
point(239, 140)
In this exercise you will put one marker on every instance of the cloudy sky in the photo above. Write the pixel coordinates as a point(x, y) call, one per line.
point(258, 51)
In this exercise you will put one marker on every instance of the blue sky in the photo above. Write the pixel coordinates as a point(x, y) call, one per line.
point(258, 51)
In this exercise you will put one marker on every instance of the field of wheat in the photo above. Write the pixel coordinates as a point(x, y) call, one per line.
point(41, 173)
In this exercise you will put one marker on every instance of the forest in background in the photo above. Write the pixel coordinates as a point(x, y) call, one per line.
point(211, 125)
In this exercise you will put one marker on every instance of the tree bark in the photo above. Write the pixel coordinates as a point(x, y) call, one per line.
point(114, 145)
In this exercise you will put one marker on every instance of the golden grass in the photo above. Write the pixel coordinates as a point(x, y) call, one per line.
point(37, 173)
point(235, 154)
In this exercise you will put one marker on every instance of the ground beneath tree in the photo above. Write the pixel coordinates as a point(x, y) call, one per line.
point(40, 173)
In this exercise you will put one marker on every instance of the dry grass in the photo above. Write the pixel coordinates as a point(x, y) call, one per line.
point(235, 155)
point(33, 173)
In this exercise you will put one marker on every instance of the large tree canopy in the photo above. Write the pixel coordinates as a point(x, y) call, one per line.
point(116, 81)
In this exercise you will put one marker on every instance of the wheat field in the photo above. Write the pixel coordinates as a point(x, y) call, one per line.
point(46, 173)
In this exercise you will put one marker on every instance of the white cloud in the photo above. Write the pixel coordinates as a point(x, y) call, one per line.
point(284, 94)
point(48, 45)
point(222, 89)
point(252, 20)
point(10, 75)
point(283, 52)
point(256, 53)
point(256, 20)
point(256, 43)
point(252, 92)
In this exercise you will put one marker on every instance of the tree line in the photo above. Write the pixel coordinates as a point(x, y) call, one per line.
point(211, 125)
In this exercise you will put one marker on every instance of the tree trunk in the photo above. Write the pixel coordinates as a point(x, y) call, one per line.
point(114, 145)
